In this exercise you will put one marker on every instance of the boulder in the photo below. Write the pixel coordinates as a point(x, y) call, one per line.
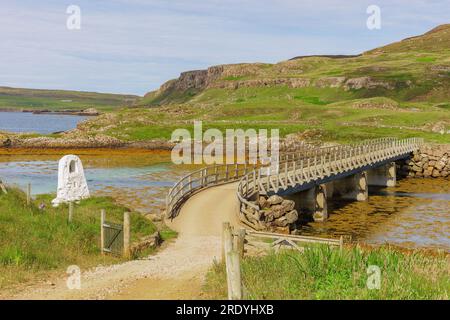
point(275, 199)
point(287, 205)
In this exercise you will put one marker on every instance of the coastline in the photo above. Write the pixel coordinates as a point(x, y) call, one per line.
point(79, 112)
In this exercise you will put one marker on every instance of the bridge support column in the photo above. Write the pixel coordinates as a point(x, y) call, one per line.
point(320, 213)
point(313, 202)
point(353, 187)
point(359, 189)
point(384, 176)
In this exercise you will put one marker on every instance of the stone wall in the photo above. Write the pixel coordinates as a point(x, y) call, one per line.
point(431, 161)
point(275, 214)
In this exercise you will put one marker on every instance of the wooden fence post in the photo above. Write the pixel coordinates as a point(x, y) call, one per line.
point(240, 239)
point(232, 264)
point(3, 187)
point(226, 238)
point(126, 234)
point(234, 275)
point(102, 231)
point(70, 211)
point(341, 243)
point(28, 194)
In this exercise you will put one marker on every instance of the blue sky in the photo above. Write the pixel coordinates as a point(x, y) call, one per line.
point(133, 46)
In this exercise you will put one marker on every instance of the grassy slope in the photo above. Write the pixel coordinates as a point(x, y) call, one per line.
point(34, 242)
point(18, 99)
point(416, 68)
point(324, 273)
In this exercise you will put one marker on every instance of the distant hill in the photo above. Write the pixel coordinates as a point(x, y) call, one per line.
point(37, 99)
point(416, 68)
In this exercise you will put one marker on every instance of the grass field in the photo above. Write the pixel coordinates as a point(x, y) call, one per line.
point(29, 99)
point(324, 273)
point(35, 242)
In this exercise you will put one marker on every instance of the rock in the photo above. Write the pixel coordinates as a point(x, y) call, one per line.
point(90, 112)
point(262, 202)
point(292, 216)
point(439, 165)
point(287, 219)
point(151, 241)
point(366, 83)
point(72, 185)
point(435, 173)
point(275, 199)
point(287, 205)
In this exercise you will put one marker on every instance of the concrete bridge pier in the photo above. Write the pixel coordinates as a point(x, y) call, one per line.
point(320, 206)
point(384, 176)
point(354, 187)
point(313, 201)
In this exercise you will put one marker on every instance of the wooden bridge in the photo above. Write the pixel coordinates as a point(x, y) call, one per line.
point(311, 174)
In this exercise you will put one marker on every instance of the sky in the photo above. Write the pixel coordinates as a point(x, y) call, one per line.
point(133, 46)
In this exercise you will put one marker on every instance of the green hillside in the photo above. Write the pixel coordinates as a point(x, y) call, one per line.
point(401, 90)
point(29, 99)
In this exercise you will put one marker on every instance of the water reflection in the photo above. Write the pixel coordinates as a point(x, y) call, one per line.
point(414, 213)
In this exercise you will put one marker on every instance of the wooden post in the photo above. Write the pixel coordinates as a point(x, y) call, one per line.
point(102, 231)
point(226, 239)
point(234, 275)
point(341, 243)
point(126, 234)
point(240, 239)
point(3, 187)
point(28, 194)
point(232, 264)
point(70, 211)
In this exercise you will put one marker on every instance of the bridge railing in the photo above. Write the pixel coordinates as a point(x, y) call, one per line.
point(200, 179)
point(305, 170)
point(224, 173)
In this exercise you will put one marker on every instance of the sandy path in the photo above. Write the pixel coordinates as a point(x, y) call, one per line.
point(177, 272)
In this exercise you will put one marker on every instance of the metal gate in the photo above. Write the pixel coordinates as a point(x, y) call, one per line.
point(113, 241)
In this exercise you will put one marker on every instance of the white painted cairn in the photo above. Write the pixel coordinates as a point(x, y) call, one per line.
point(72, 185)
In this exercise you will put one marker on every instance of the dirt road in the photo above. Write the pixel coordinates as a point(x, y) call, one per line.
point(176, 272)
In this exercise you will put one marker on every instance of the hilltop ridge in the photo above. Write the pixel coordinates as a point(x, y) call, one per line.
point(422, 61)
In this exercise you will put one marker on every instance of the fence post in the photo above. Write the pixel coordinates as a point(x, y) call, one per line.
point(3, 187)
point(226, 238)
point(126, 234)
point(232, 264)
point(234, 275)
point(70, 211)
point(341, 243)
point(28, 194)
point(102, 230)
point(240, 239)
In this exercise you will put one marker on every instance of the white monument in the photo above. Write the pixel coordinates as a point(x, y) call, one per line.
point(72, 184)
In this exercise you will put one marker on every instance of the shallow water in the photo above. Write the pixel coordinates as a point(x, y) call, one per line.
point(416, 213)
point(135, 178)
point(37, 123)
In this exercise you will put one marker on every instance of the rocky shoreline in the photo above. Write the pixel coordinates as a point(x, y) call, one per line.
point(90, 112)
